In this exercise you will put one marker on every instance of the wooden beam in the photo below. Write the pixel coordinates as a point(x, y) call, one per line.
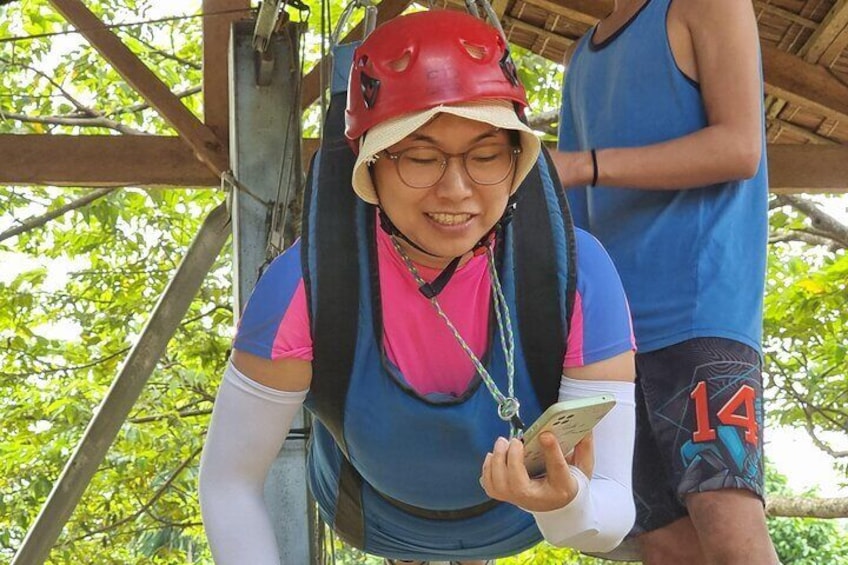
point(101, 160)
point(200, 138)
point(307, 149)
point(311, 85)
point(808, 168)
point(835, 21)
point(791, 78)
point(216, 40)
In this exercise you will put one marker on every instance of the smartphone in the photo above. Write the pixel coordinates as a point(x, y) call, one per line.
point(569, 421)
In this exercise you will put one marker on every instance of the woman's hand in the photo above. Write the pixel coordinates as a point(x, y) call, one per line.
point(505, 478)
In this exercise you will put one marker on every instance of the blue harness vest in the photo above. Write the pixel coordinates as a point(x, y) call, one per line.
point(396, 473)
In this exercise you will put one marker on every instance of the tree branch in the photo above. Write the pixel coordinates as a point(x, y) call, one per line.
point(38, 221)
point(824, 223)
point(144, 105)
point(73, 122)
point(543, 120)
point(92, 118)
point(160, 417)
point(802, 507)
point(166, 55)
point(805, 237)
point(64, 369)
point(144, 508)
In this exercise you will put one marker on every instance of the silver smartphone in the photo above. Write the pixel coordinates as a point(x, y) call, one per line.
point(569, 421)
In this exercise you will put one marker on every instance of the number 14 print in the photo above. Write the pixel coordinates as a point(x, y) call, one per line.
point(738, 411)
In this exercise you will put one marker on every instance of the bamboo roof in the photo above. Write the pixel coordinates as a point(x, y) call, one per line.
point(805, 57)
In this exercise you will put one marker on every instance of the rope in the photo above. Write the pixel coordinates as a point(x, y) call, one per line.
point(508, 405)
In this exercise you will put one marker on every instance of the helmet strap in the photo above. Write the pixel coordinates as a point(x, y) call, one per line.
point(390, 228)
point(433, 289)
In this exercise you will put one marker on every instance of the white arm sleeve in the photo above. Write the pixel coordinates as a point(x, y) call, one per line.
point(603, 511)
point(249, 424)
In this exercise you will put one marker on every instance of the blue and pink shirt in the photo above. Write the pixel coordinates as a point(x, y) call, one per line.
point(276, 325)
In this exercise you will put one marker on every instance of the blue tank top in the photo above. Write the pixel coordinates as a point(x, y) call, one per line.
point(692, 261)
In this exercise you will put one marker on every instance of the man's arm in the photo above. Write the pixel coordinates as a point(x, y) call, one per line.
point(724, 55)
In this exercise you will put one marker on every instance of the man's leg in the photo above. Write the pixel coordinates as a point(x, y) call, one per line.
point(675, 543)
point(663, 533)
point(732, 527)
point(703, 399)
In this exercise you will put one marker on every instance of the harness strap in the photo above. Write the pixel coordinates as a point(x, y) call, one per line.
point(330, 266)
point(542, 323)
point(459, 514)
point(349, 522)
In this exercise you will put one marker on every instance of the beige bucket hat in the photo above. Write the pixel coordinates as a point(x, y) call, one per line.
point(498, 113)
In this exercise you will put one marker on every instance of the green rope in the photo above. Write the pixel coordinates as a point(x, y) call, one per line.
point(508, 406)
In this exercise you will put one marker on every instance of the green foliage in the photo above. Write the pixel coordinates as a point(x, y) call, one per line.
point(805, 327)
point(76, 293)
point(804, 541)
point(66, 335)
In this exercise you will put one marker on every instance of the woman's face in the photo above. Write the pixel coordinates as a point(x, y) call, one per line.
point(450, 217)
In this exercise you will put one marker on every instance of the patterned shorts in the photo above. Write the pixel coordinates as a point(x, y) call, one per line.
point(699, 426)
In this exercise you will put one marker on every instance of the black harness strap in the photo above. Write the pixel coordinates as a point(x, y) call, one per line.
point(335, 309)
point(571, 243)
point(543, 333)
point(335, 312)
point(459, 514)
point(349, 521)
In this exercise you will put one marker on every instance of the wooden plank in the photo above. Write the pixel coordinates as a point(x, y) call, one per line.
point(782, 13)
point(543, 34)
point(200, 138)
point(808, 168)
point(101, 160)
point(811, 136)
point(832, 53)
point(812, 86)
point(216, 40)
point(832, 25)
point(500, 7)
point(311, 85)
point(588, 12)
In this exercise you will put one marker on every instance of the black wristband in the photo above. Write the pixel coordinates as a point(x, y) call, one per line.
point(594, 168)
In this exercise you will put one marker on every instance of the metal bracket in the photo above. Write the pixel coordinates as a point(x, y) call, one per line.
point(266, 24)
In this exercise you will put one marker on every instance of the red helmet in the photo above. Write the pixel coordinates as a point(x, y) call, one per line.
point(426, 59)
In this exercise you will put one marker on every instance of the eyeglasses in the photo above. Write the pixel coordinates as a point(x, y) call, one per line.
point(423, 167)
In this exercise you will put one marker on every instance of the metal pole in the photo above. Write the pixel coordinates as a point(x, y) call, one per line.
point(113, 411)
point(265, 153)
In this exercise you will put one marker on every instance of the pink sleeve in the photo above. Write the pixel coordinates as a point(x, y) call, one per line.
point(600, 319)
point(293, 339)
